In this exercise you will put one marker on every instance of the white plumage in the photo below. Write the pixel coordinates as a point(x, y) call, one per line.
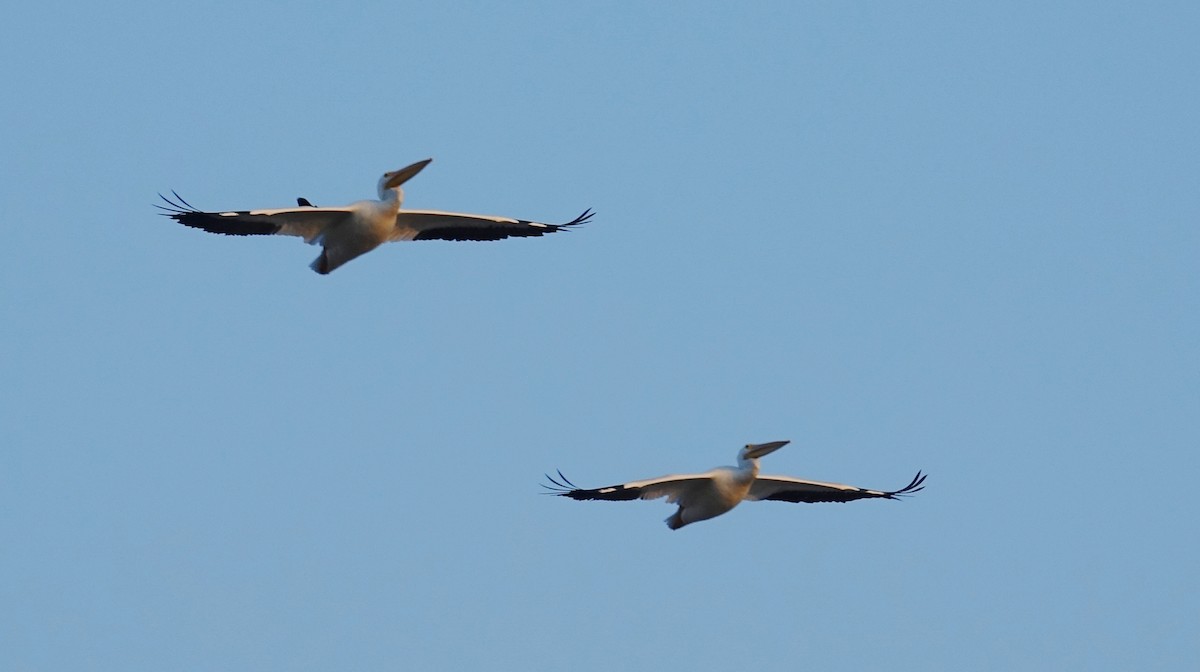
point(352, 230)
point(707, 495)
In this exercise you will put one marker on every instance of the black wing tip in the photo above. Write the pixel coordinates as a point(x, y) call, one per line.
point(225, 223)
point(561, 486)
point(177, 208)
point(916, 485)
point(583, 218)
point(526, 228)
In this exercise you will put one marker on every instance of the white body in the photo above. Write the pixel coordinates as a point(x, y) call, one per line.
point(717, 492)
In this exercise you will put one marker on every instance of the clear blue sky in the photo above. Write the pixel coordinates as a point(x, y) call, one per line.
point(959, 239)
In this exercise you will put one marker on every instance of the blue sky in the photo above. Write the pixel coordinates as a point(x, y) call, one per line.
point(958, 239)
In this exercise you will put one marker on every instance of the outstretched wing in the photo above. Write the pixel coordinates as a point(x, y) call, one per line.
point(435, 225)
point(306, 221)
point(786, 489)
point(671, 487)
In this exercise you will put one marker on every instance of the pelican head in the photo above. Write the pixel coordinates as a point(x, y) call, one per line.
point(753, 451)
point(392, 181)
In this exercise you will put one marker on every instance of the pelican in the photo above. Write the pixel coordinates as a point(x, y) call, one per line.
point(708, 495)
point(353, 230)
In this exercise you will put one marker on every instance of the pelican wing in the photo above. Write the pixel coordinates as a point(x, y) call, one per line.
point(787, 489)
point(435, 225)
point(305, 221)
point(672, 487)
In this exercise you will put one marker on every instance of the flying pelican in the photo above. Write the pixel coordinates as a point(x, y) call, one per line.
point(708, 495)
point(352, 230)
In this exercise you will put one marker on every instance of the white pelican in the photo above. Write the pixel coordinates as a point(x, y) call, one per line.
point(708, 495)
point(352, 230)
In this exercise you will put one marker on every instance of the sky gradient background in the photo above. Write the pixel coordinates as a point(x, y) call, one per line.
point(958, 239)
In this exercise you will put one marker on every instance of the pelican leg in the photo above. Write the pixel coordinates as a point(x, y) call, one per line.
point(676, 520)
